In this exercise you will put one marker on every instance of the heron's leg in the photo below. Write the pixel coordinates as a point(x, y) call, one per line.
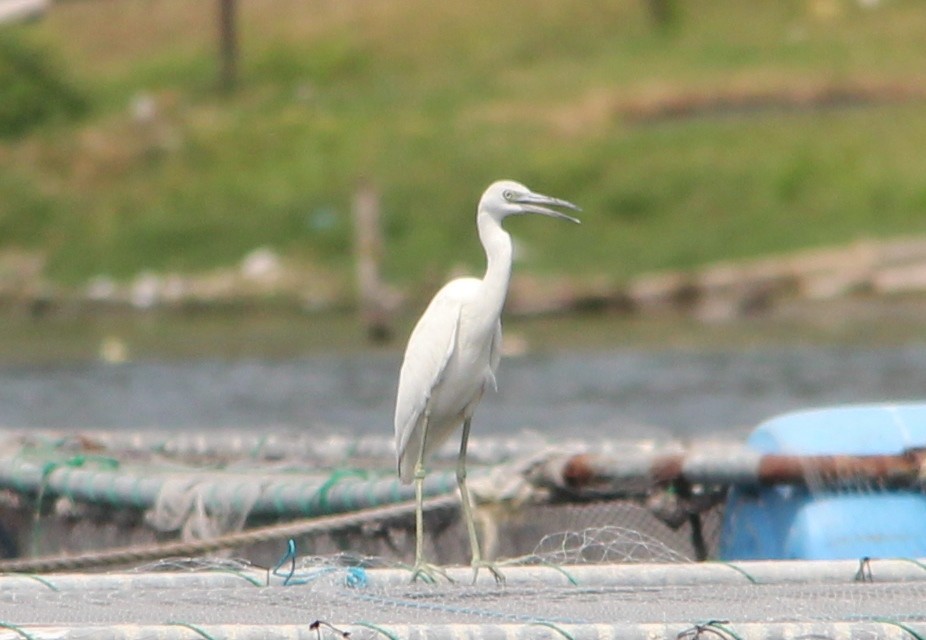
point(477, 562)
point(427, 572)
point(419, 512)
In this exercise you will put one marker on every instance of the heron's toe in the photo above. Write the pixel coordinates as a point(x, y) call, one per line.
point(491, 567)
point(428, 573)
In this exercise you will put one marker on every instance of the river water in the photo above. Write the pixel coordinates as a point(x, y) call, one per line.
point(606, 392)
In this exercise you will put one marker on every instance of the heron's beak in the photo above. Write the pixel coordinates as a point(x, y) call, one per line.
point(539, 203)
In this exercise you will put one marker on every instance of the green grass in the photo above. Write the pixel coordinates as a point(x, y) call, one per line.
point(432, 101)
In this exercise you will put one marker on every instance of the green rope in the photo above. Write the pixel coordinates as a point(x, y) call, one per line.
point(378, 629)
point(110, 494)
point(543, 563)
point(75, 462)
point(914, 561)
point(258, 447)
point(555, 628)
point(193, 628)
point(739, 570)
point(333, 479)
point(136, 498)
point(32, 576)
point(241, 574)
point(370, 494)
point(716, 626)
point(103, 462)
point(49, 468)
point(17, 630)
point(318, 624)
point(278, 502)
point(913, 633)
point(348, 495)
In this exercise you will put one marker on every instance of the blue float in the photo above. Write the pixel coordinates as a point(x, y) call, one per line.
point(791, 522)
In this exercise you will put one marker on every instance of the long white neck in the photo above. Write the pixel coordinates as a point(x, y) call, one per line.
point(497, 245)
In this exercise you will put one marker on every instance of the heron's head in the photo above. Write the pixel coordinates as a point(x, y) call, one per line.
point(510, 198)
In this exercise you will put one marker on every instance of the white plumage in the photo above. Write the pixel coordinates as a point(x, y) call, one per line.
point(454, 351)
point(450, 361)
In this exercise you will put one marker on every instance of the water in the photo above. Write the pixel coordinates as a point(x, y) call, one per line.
point(615, 392)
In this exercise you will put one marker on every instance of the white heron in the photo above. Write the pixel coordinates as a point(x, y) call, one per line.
point(452, 356)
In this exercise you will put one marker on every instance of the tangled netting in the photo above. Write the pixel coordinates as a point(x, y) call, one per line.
point(623, 567)
point(602, 545)
point(573, 586)
point(592, 546)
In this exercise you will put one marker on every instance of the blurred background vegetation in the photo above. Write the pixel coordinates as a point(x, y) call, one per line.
point(689, 131)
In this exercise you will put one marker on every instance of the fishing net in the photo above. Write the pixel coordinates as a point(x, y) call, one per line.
point(337, 595)
point(69, 494)
point(249, 536)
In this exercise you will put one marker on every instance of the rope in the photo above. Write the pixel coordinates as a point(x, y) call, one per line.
point(17, 630)
point(558, 630)
point(318, 624)
point(38, 579)
point(378, 629)
point(144, 553)
point(913, 633)
point(739, 570)
point(914, 561)
point(194, 628)
point(715, 628)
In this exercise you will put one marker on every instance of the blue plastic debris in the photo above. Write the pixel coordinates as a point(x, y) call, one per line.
point(792, 522)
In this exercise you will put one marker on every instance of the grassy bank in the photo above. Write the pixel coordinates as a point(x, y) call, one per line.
point(431, 101)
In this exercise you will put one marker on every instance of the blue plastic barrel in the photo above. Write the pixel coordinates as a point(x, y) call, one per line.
point(788, 522)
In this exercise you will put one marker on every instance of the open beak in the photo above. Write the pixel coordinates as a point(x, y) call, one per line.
point(539, 203)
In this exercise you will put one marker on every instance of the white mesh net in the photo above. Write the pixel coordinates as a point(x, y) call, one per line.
point(575, 567)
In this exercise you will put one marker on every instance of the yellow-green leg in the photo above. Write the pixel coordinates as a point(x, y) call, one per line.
point(424, 570)
point(477, 562)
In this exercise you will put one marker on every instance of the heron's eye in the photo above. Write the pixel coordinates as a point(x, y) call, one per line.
point(507, 195)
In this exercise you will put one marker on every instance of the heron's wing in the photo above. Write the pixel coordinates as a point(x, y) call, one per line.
point(495, 355)
point(430, 347)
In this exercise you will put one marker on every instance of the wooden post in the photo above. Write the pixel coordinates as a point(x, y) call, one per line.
point(368, 249)
point(228, 45)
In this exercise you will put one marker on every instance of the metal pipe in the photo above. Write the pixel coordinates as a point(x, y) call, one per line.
point(616, 476)
point(683, 574)
point(539, 630)
point(644, 575)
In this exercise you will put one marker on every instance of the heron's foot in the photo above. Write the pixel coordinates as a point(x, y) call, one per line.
point(491, 567)
point(428, 573)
